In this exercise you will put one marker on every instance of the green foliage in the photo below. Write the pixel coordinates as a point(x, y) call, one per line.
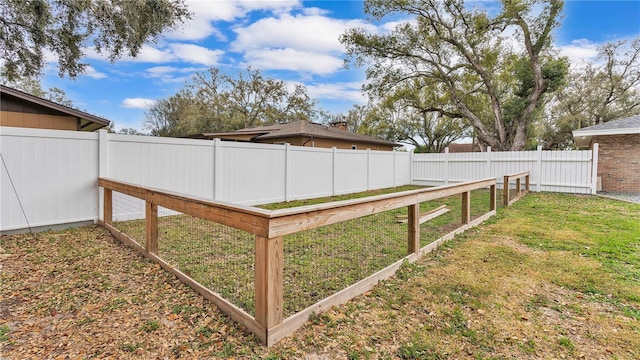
point(595, 93)
point(456, 60)
point(214, 102)
point(149, 326)
point(118, 27)
point(4, 332)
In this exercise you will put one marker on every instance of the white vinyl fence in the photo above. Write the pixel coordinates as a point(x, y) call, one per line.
point(55, 172)
point(568, 171)
point(49, 177)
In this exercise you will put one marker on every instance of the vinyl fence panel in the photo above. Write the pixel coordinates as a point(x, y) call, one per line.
point(558, 171)
point(50, 174)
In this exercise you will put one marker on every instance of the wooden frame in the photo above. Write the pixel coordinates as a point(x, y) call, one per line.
point(269, 227)
point(506, 201)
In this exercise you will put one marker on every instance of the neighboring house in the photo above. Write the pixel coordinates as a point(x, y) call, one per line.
point(463, 148)
point(619, 152)
point(304, 133)
point(20, 109)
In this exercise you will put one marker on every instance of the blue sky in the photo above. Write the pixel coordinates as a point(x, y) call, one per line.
point(292, 40)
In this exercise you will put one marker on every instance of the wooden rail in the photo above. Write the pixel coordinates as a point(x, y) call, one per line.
point(519, 192)
point(269, 227)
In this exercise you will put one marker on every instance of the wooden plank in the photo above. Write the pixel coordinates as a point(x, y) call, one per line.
point(424, 217)
point(255, 224)
point(151, 215)
point(466, 207)
point(268, 281)
point(413, 228)
point(299, 219)
point(108, 206)
point(527, 182)
point(223, 304)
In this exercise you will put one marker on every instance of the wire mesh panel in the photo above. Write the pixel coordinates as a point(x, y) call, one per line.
point(321, 261)
point(219, 257)
point(129, 216)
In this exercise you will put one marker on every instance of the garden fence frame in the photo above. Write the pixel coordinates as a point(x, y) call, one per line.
point(506, 201)
point(269, 228)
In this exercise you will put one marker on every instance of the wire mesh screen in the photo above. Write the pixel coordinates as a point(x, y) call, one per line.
point(129, 216)
point(219, 257)
point(322, 261)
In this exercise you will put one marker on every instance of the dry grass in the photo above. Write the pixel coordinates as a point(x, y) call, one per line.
point(554, 276)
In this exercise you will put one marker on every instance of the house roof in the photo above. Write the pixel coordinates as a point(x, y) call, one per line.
point(88, 122)
point(630, 125)
point(302, 128)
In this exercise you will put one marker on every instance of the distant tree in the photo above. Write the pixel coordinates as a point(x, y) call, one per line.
point(31, 85)
point(461, 55)
point(595, 93)
point(30, 28)
point(214, 101)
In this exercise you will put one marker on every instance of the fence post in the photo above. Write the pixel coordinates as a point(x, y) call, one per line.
point(268, 281)
point(368, 169)
point(411, 160)
point(539, 168)
point(446, 165)
point(518, 183)
point(488, 161)
point(108, 206)
point(466, 207)
point(287, 171)
point(594, 169)
point(505, 191)
point(333, 169)
point(151, 215)
point(394, 168)
point(217, 165)
point(413, 228)
point(492, 197)
point(103, 168)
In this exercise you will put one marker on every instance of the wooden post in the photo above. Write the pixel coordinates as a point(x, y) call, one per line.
point(413, 228)
point(505, 191)
point(268, 281)
point(108, 206)
point(466, 207)
point(152, 227)
point(518, 190)
point(527, 182)
point(492, 197)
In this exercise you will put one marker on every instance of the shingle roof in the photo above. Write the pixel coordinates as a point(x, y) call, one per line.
point(632, 122)
point(90, 122)
point(307, 129)
point(631, 125)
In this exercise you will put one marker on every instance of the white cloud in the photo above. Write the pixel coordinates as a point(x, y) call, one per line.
point(300, 32)
point(207, 12)
point(91, 72)
point(305, 42)
point(190, 53)
point(294, 60)
point(137, 103)
point(195, 54)
point(350, 91)
point(579, 50)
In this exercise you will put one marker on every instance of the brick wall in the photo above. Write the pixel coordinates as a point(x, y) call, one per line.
point(619, 162)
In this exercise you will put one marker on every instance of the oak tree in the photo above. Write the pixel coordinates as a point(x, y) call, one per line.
point(31, 29)
point(490, 70)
